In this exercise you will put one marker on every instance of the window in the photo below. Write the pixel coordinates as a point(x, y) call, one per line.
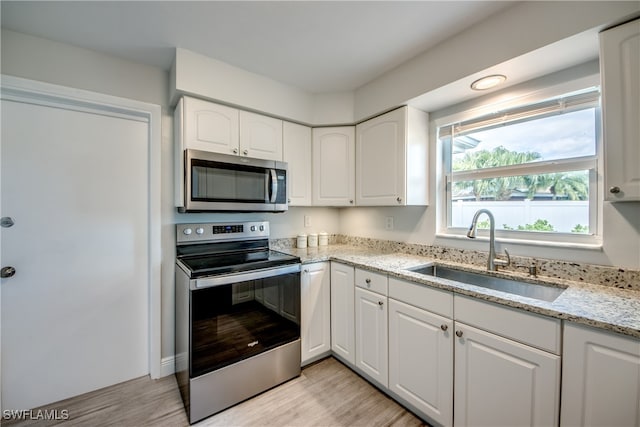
point(534, 167)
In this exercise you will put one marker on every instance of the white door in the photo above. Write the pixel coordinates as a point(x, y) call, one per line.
point(380, 160)
point(260, 136)
point(315, 319)
point(600, 378)
point(333, 166)
point(342, 312)
point(421, 360)
point(372, 335)
point(75, 315)
point(499, 382)
point(296, 146)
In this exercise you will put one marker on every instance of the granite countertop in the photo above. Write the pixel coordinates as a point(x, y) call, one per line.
point(603, 307)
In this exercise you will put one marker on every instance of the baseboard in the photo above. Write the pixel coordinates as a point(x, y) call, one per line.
point(167, 366)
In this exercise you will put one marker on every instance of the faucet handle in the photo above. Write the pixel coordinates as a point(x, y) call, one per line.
point(502, 262)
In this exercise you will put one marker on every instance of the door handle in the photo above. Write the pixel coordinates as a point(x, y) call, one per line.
point(6, 222)
point(7, 272)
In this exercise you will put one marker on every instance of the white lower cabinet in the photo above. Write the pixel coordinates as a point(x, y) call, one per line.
point(499, 382)
point(421, 360)
point(372, 335)
point(315, 322)
point(600, 378)
point(504, 381)
point(342, 312)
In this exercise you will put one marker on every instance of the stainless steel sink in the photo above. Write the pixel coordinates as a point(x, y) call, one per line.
point(529, 290)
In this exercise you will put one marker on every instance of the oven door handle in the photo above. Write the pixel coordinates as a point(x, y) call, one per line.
point(245, 276)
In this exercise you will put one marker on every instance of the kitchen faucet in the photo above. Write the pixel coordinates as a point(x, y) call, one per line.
point(493, 262)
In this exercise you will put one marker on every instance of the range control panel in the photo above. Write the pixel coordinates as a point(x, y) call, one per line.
point(217, 231)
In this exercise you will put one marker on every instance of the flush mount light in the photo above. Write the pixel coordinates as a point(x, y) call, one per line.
point(488, 82)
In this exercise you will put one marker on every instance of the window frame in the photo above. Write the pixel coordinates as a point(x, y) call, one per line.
point(592, 163)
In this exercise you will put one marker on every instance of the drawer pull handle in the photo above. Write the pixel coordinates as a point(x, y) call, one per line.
point(459, 333)
point(367, 281)
point(380, 303)
point(444, 327)
point(614, 190)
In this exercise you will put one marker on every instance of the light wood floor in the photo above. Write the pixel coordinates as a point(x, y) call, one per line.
point(326, 394)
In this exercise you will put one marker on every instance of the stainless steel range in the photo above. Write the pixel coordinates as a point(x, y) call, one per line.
point(237, 315)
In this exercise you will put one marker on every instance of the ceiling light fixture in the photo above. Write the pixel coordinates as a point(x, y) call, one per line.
point(488, 82)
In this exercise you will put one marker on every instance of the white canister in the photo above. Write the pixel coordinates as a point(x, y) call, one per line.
point(302, 241)
point(323, 238)
point(313, 240)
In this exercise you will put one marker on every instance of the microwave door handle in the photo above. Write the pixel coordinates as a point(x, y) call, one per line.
point(274, 185)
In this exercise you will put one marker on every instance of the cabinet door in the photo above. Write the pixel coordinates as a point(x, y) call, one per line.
point(333, 166)
point(372, 335)
point(210, 127)
point(380, 160)
point(316, 314)
point(600, 378)
point(342, 312)
point(296, 140)
point(620, 68)
point(421, 360)
point(499, 382)
point(260, 136)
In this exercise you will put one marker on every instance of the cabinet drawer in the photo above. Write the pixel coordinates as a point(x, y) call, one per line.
point(533, 329)
point(374, 282)
point(421, 296)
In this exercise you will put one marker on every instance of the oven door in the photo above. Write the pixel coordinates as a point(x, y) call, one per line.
point(220, 182)
point(233, 321)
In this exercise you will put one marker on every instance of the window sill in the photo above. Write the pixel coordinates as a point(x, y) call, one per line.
point(594, 245)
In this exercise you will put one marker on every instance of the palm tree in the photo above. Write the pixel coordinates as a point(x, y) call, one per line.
point(500, 188)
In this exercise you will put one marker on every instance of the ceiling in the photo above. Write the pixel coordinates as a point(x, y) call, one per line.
point(320, 46)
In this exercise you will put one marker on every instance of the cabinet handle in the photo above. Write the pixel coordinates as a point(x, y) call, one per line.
point(305, 271)
point(380, 303)
point(459, 333)
point(367, 281)
point(235, 151)
point(399, 199)
point(444, 327)
point(288, 200)
point(245, 152)
point(614, 190)
point(351, 201)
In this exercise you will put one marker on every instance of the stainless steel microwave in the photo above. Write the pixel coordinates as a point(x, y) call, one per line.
point(221, 182)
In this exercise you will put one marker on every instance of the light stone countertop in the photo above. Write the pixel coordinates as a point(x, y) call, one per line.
point(603, 307)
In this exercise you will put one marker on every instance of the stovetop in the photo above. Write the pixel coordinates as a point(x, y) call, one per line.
point(213, 249)
point(207, 265)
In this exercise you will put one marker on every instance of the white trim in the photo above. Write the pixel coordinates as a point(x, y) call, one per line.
point(167, 366)
point(35, 92)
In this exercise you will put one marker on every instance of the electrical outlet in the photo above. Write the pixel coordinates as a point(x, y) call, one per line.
point(307, 221)
point(388, 223)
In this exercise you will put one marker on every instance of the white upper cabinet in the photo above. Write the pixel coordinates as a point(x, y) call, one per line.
point(296, 142)
point(208, 126)
point(260, 136)
point(392, 159)
point(333, 166)
point(620, 68)
point(600, 378)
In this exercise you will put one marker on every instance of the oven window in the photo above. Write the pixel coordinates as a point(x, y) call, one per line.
point(233, 322)
point(212, 181)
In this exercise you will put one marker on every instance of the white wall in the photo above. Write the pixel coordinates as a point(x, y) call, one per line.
point(44, 60)
point(512, 32)
point(208, 78)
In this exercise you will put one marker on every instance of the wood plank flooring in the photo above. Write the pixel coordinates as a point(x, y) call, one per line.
point(326, 394)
